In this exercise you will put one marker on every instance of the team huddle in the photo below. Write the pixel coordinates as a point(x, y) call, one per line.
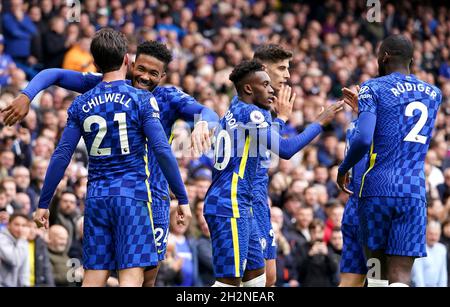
point(127, 124)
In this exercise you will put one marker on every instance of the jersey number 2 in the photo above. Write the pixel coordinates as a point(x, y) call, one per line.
point(413, 135)
point(121, 118)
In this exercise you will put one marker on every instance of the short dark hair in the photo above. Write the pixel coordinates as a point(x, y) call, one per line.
point(155, 49)
point(271, 53)
point(399, 47)
point(16, 215)
point(316, 223)
point(243, 70)
point(108, 48)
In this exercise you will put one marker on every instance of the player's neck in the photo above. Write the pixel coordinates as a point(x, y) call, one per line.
point(245, 98)
point(398, 69)
point(114, 76)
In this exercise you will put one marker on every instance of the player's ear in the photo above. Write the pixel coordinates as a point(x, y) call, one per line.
point(385, 57)
point(126, 59)
point(247, 89)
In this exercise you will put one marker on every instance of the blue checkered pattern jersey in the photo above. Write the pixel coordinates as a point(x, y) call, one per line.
point(351, 214)
point(110, 119)
point(171, 102)
point(236, 161)
point(352, 257)
point(406, 109)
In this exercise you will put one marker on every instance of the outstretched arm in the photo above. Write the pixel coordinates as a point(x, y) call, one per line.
point(55, 172)
point(58, 164)
point(68, 79)
point(190, 110)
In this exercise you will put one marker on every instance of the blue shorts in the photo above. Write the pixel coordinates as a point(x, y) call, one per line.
point(352, 257)
point(161, 221)
point(118, 234)
point(261, 213)
point(235, 245)
point(396, 225)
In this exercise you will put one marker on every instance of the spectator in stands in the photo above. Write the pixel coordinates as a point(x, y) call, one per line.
point(18, 31)
point(431, 271)
point(14, 266)
point(66, 213)
point(41, 274)
point(79, 57)
point(58, 238)
point(317, 267)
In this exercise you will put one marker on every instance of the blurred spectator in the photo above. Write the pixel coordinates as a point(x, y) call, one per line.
point(6, 64)
point(204, 249)
point(55, 43)
point(169, 273)
point(185, 249)
point(18, 30)
point(303, 218)
point(41, 274)
point(65, 213)
point(6, 162)
point(317, 267)
point(14, 266)
point(202, 180)
point(38, 170)
point(311, 199)
point(21, 177)
point(445, 239)
point(10, 188)
point(58, 238)
point(5, 209)
point(286, 265)
point(290, 207)
point(444, 188)
point(79, 57)
point(23, 203)
point(335, 214)
point(431, 271)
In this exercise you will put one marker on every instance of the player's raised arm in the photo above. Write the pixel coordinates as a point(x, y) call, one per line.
point(68, 79)
point(188, 108)
point(290, 146)
point(56, 168)
point(364, 131)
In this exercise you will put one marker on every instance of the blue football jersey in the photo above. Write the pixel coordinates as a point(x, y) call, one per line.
point(111, 118)
point(171, 101)
point(356, 174)
point(406, 109)
point(261, 180)
point(237, 155)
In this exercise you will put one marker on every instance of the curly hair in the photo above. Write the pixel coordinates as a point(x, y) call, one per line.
point(271, 53)
point(243, 70)
point(155, 49)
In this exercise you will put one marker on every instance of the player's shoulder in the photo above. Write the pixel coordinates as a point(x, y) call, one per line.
point(252, 114)
point(146, 99)
point(172, 93)
point(373, 84)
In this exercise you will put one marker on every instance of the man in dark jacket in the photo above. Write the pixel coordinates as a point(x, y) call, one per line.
point(317, 266)
point(204, 249)
point(41, 274)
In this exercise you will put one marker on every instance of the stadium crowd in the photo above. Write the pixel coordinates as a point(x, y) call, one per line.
point(334, 46)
